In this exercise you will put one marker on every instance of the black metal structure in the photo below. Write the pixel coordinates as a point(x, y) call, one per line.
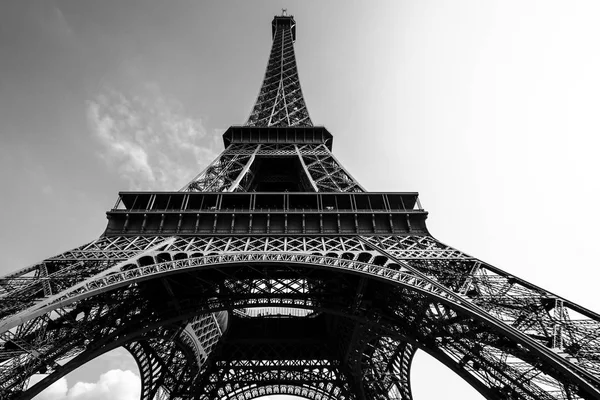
point(275, 272)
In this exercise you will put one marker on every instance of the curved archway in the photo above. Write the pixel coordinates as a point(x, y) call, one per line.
point(440, 311)
point(284, 392)
point(110, 374)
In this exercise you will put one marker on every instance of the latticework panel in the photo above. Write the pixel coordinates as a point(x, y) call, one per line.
point(221, 174)
point(161, 364)
point(501, 334)
point(327, 173)
point(386, 367)
point(202, 334)
point(570, 331)
point(241, 379)
point(245, 167)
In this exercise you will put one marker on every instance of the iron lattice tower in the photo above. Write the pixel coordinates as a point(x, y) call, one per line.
point(274, 272)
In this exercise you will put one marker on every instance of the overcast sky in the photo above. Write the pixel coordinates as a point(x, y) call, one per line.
point(489, 109)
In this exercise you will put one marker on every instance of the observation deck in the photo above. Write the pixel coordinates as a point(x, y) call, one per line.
point(265, 213)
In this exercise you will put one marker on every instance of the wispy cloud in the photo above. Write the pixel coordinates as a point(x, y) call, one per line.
point(148, 140)
point(112, 385)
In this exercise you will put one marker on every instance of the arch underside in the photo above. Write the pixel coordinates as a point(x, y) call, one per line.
point(376, 300)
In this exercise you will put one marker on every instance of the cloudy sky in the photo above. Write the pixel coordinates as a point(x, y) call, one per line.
point(488, 109)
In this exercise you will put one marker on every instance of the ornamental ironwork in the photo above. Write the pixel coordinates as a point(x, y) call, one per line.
point(274, 272)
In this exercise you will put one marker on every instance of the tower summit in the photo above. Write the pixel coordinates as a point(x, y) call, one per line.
point(274, 272)
point(278, 149)
point(280, 101)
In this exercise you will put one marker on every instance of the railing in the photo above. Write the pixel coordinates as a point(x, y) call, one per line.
point(267, 202)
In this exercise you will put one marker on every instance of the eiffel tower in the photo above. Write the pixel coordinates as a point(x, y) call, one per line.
point(274, 272)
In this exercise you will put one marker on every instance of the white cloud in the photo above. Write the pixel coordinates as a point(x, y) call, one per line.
point(115, 384)
point(148, 140)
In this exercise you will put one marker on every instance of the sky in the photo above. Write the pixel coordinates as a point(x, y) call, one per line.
point(488, 109)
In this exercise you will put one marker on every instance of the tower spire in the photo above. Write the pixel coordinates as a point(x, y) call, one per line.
point(280, 102)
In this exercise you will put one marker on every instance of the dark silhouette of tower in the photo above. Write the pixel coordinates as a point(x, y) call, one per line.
point(275, 272)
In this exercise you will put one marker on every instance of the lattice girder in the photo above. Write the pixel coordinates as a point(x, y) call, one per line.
point(385, 366)
point(166, 364)
point(150, 365)
point(238, 165)
point(233, 380)
point(464, 338)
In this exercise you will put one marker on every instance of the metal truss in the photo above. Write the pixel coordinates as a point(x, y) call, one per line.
point(500, 333)
point(336, 310)
point(280, 101)
point(326, 172)
point(236, 169)
point(386, 367)
point(244, 379)
point(166, 366)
